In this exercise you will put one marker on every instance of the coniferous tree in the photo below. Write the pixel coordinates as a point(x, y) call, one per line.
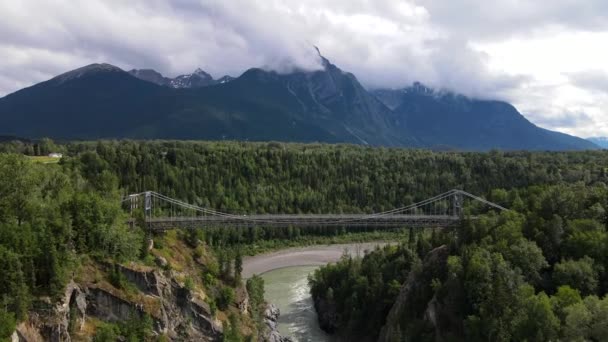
point(238, 267)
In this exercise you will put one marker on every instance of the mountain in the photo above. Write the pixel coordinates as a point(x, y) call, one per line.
point(444, 119)
point(324, 105)
point(95, 101)
point(103, 101)
point(600, 141)
point(197, 79)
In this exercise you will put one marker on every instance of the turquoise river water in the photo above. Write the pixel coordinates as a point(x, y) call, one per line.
point(288, 289)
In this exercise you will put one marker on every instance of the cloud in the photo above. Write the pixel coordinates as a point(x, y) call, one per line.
point(532, 53)
point(385, 43)
point(491, 20)
point(593, 80)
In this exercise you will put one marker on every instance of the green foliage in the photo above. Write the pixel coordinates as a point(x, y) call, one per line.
point(363, 290)
point(503, 268)
point(528, 258)
point(7, 324)
point(587, 320)
point(232, 331)
point(510, 277)
point(238, 267)
point(189, 284)
point(255, 290)
point(13, 287)
point(107, 332)
point(536, 320)
point(578, 274)
point(293, 178)
point(225, 297)
point(137, 328)
point(491, 286)
point(48, 215)
point(117, 278)
point(563, 298)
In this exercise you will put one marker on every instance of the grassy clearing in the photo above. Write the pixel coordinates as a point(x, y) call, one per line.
point(44, 159)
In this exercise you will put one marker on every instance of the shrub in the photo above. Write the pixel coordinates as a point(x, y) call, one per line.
point(225, 297)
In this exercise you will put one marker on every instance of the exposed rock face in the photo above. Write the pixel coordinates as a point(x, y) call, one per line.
point(242, 300)
point(181, 316)
point(197, 79)
point(150, 76)
point(417, 300)
point(149, 282)
point(162, 262)
point(271, 316)
point(109, 307)
point(53, 323)
point(184, 314)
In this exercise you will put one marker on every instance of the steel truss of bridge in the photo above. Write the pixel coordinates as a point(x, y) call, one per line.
point(311, 220)
point(163, 213)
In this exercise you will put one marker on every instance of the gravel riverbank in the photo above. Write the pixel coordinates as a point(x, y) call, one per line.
point(316, 255)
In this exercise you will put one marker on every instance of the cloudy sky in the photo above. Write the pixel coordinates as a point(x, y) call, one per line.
point(548, 57)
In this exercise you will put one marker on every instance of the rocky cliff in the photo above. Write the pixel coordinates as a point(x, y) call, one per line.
point(421, 304)
point(176, 311)
point(163, 292)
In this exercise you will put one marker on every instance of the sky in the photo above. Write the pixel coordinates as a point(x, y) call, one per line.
point(547, 57)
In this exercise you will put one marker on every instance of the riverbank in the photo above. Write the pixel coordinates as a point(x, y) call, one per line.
point(265, 246)
point(316, 255)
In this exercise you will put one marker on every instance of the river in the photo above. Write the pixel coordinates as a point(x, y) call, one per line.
point(287, 288)
point(285, 276)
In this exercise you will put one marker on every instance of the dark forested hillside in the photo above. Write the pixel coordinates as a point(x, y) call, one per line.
point(327, 105)
point(545, 259)
point(103, 101)
point(538, 272)
point(443, 119)
point(276, 177)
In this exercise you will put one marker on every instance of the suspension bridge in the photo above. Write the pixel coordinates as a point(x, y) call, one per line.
point(162, 212)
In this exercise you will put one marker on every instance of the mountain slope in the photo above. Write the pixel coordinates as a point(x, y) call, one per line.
point(600, 141)
point(325, 105)
point(452, 120)
point(95, 101)
point(103, 101)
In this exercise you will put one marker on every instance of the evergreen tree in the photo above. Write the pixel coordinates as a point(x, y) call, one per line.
point(238, 267)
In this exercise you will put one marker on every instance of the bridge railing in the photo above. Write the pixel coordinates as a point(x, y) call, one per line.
point(441, 210)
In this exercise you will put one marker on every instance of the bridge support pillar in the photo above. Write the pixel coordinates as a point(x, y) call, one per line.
point(148, 209)
point(457, 205)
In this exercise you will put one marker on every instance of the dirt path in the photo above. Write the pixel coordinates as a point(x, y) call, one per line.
point(303, 256)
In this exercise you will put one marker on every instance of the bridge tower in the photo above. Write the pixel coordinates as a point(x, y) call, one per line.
point(148, 208)
point(133, 205)
point(457, 204)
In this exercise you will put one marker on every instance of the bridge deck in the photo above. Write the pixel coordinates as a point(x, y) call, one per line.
point(308, 220)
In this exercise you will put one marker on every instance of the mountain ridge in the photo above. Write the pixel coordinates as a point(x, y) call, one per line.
point(326, 105)
point(451, 119)
point(198, 78)
point(600, 141)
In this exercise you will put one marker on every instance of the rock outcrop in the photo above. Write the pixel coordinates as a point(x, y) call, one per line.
point(148, 281)
point(52, 322)
point(271, 317)
point(175, 310)
point(417, 300)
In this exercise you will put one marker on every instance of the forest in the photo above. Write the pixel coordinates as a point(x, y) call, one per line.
point(536, 273)
point(546, 258)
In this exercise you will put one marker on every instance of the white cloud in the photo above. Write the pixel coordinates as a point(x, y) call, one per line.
point(537, 55)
